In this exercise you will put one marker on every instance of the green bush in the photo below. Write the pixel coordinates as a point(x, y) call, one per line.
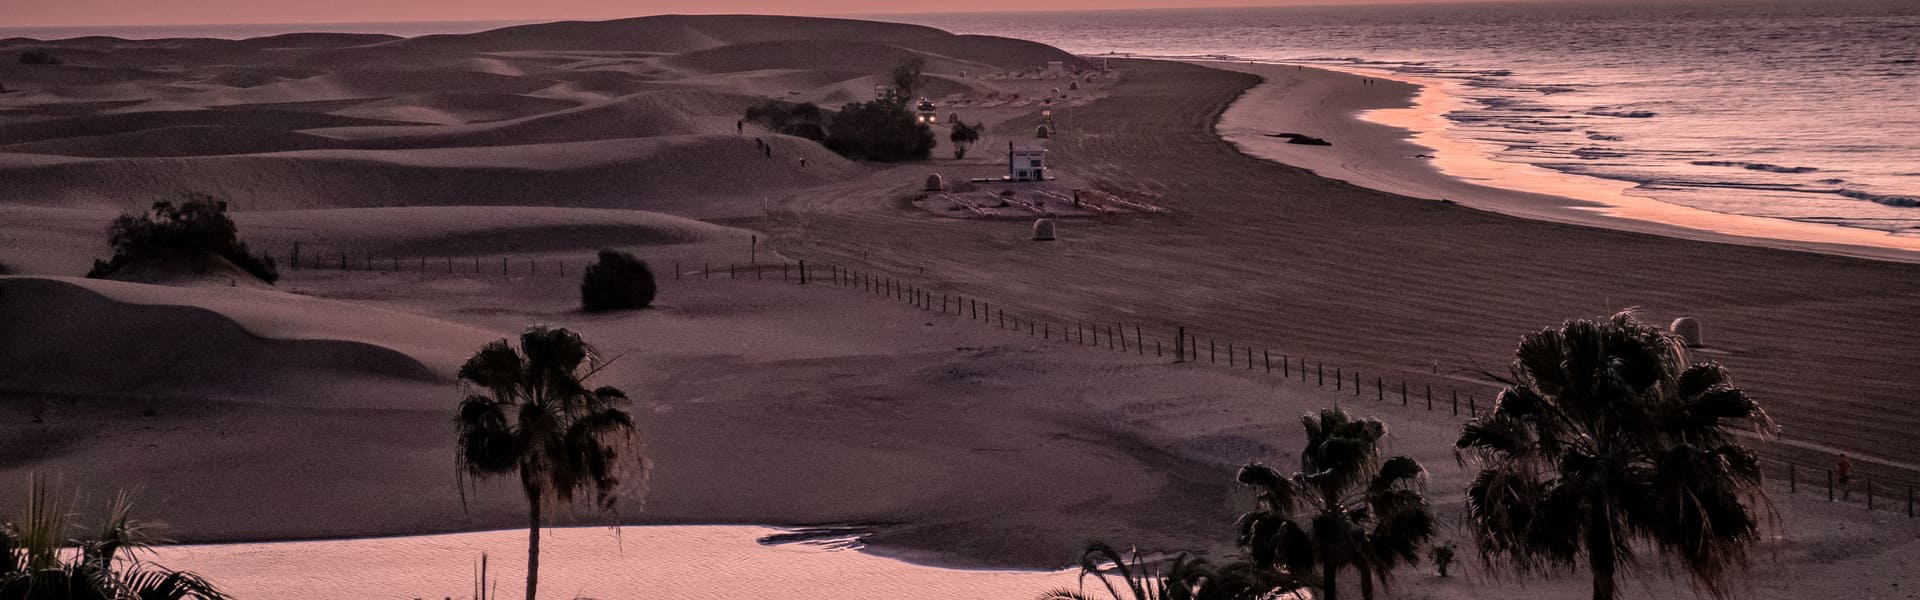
point(880, 130)
point(963, 137)
point(194, 230)
point(805, 120)
point(617, 281)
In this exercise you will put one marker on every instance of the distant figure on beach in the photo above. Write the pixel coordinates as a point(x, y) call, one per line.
point(803, 162)
point(740, 127)
point(1843, 471)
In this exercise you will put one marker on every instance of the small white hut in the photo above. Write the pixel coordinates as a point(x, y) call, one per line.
point(1026, 162)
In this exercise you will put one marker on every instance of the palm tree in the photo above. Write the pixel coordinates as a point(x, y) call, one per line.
point(529, 411)
point(1605, 436)
point(39, 561)
point(1183, 577)
point(1344, 508)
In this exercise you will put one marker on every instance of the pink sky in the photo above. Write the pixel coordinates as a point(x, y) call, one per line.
point(54, 13)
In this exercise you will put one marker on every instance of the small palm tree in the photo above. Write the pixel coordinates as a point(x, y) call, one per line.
point(1183, 577)
point(1344, 508)
point(529, 412)
point(39, 561)
point(1605, 436)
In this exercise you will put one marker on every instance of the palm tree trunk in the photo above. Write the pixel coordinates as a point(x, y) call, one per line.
point(533, 542)
point(1601, 556)
point(1366, 581)
point(1329, 580)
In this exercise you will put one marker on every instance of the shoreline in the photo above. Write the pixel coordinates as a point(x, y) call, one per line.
point(1389, 137)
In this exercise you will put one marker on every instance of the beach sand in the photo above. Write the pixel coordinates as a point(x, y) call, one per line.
point(321, 408)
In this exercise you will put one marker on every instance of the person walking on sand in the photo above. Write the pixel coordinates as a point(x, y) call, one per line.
point(1843, 472)
point(740, 127)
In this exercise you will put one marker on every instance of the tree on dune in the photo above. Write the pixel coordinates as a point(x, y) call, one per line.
point(1345, 507)
point(196, 232)
point(963, 137)
point(1607, 437)
point(529, 412)
point(40, 561)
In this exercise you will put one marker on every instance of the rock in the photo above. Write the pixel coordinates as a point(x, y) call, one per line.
point(1043, 230)
point(1688, 330)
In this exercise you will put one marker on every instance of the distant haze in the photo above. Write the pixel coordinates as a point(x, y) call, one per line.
point(73, 13)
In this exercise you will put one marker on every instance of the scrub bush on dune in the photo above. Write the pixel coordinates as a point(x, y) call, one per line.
point(195, 230)
point(617, 281)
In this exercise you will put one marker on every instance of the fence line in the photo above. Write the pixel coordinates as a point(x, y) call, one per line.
point(1886, 493)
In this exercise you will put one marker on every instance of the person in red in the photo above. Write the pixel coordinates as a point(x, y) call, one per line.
point(1844, 470)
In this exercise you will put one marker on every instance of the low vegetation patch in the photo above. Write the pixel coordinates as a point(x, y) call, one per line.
point(617, 281)
point(195, 232)
point(804, 120)
point(884, 129)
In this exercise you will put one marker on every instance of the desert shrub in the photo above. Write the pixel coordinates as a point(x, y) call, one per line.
point(963, 137)
point(880, 130)
point(805, 120)
point(195, 229)
point(38, 57)
point(616, 281)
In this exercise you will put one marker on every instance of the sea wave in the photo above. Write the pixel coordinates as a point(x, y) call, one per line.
point(1753, 166)
point(1902, 201)
point(1625, 114)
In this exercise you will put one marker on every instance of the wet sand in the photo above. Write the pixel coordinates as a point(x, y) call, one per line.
point(1389, 136)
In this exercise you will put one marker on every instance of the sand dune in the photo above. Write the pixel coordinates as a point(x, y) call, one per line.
point(195, 342)
point(690, 175)
point(647, 114)
point(118, 123)
point(369, 84)
point(867, 57)
point(190, 140)
point(456, 107)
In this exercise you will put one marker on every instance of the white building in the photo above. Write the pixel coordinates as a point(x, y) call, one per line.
point(1026, 162)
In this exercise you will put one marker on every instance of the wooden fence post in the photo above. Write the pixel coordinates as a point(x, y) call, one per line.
point(1829, 485)
point(1869, 482)
point(1793, 479)
point(1266, 360)
point(1180, 344)
point(1379, 389)
point(1123, 337)
point(1456, 403)
point(1003, 318)
point(1472, 408)
point(1403, 392)
point(1338, 379)
point(1211, 358)
point(1156, 348)
point(1229, 354)
point(803, 272)
point(1139, 340)
point(1286, 367)
point(1356, 384)
point(1319, 372)
point(1909, 501)
point(1429, 397)
point(1249, 360)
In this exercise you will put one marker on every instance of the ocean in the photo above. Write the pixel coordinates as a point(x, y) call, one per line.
point(1796, 109)
point(1804, 110)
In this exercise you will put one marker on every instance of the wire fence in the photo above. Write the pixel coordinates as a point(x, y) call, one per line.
point(1878, 487)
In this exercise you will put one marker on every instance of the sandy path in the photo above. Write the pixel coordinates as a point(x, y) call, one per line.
point(1266, 254)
